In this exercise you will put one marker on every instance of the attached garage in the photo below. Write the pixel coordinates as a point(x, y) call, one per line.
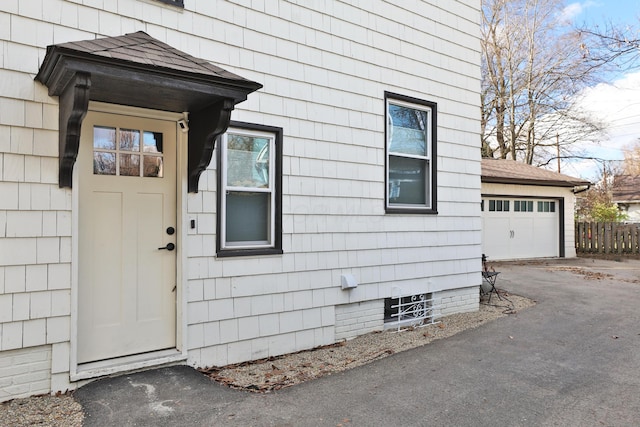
point(527, 212)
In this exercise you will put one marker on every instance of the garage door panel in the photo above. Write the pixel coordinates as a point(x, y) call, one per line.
point(546, 237)
point(496, 237)
point(522, 236)
point(516, 235)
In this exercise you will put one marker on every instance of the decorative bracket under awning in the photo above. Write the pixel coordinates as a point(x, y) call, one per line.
point(140, 71)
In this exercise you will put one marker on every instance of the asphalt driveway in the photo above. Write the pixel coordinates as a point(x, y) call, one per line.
point(572, 360)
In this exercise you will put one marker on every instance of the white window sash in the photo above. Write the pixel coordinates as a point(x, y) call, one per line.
point(426, 158)
point(226, 189)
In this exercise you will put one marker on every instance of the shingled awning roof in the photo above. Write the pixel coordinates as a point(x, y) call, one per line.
point(626, 188)
point(511, 172)
point(117, 62)
point(140, 71)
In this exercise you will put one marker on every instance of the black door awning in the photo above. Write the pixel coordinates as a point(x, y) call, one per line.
point(140, 71)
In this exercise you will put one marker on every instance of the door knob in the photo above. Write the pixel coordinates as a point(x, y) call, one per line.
point(169, 247)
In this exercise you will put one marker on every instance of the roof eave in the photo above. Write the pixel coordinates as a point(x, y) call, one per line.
point(525, 181)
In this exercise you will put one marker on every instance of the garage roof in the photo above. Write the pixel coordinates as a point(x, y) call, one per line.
point(511, 172)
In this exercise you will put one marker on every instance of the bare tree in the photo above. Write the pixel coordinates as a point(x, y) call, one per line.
point(631, 163)
point(533, 69)
point(617, 45)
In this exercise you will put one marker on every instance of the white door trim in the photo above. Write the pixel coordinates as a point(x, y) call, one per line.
point(92, 370)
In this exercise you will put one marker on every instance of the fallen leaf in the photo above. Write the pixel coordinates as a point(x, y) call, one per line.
point(441, 325)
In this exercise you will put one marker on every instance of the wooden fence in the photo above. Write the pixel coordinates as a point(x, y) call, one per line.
point(607, 238)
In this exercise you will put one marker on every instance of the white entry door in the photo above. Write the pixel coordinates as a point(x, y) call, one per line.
point(126, 236)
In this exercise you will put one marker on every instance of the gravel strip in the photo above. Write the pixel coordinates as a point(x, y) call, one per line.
point(275, 373)
point(283, 371)
point(43, 411)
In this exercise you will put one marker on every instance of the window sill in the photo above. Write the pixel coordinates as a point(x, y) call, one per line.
point(224, 253)
point(421, 211)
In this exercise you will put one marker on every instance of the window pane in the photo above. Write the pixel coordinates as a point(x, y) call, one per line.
point(516, 206)
point(247, 217)
point(506, 206)
point(129, 165)
point(407, 131)
point(408, 181)
point(530, 206)
point(104, 163)
point(129, 140)
point(104, 138)
point(552, 206)
point(152, 142)
point(492, 205)
point(499, 205)
point(152, 166)
point(247, 161)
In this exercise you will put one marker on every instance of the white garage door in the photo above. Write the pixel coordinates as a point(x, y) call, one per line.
point(520, 228)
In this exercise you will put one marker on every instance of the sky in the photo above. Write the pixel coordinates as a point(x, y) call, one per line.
point(617, 101)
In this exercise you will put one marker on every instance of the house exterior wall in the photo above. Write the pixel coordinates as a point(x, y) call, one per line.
point(632, 210)
point(325, 67)
point(565, 193)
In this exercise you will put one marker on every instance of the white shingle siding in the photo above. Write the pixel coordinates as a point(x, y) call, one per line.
point(324, 67)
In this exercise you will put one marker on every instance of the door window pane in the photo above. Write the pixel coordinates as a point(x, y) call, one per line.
point(129, 140)
point(152, 142)
point(104, 163)
point(152, 167)
point(104, 138)
point(119, 152)
point(129, 165)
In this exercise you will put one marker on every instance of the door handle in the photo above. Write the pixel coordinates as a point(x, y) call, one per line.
point(169, 247)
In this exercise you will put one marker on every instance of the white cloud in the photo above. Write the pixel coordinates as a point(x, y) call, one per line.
point(572, 10)
point(618, 105)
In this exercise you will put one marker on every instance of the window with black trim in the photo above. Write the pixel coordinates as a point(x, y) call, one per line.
point(179, 3)
point(249, 190)
point(410, 132)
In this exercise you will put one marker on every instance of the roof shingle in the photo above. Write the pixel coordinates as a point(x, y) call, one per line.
point(626, 188)
point(510, 171)
point(141, 48)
